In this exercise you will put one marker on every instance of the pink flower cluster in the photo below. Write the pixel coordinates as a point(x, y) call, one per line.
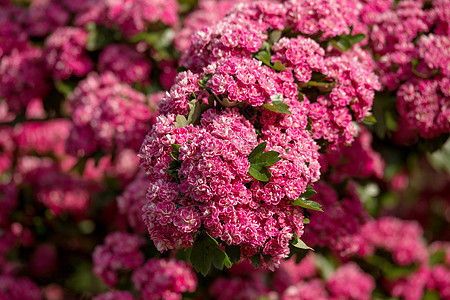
point(23, 77)
point(120, 252)
point(164, 279)
point(411, 44)
point(65, 53)
point(347, 282)
point(213, 183)
point(358, 160)
point(239, 95)
point(107, 115)
point(130, 16)
point(403, 239)
point(322, 230)
point(132, 200)
point(125, 62)
point(114, 295)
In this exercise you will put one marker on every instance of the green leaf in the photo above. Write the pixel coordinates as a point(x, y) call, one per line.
point(99, 36)
point(305, 221)
point(256, 153)
point(205, 251)
point(354, 39)
point(175, 153)
point(278, 66)
point(261, 174)
point(180, 121)
point(308, 193)
point(301, 245)
point(174, 166)
point(370, 120)
point(390, 270)
point(194, 112)
point(256, 260)
point(278, 107)
point(345, 42)
point(275, 36)
point(202, 82)
point(437, 258)
point(233, 252)
point(264, 57)
point(260, 160)
point(309, 204)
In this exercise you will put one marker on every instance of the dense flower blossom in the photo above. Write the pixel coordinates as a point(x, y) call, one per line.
point(23, 77)
point(350, 282)
point(115, 295)
point(322, 230)
point(290, 272)
point(358, 160)
point(125, 62)
point(65, 53)
point(43, 17)
point(107, 114)
point(12, 36)
point(310, 290)
point(130, 16)
point(208, 12)
point(59, 192)
point(132, 200)
point(164, 279)
point(42, 137)
point(120, 252)
point(18, 288)
point(7, 147)
point(214, 188)
point(403, 239)
point(425, 105)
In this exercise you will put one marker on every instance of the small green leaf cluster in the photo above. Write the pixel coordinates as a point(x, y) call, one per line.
point(206, 251)
point(260, 160)
point(345, 42)
point(303, 201)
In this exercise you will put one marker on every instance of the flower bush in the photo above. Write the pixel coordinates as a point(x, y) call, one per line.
point(199, 150)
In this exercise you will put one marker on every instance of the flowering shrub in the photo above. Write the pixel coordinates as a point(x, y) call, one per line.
point(144, 140)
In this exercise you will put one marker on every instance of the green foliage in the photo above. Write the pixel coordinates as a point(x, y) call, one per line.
point(265, 57)
point(298, 243)
point(278, 106)
point(205, 251)
point(344, 42)
point(309, 204)
point(390, 270)
point(260, 160)
point(256, 260)
point(100, 36)
point(175, 164)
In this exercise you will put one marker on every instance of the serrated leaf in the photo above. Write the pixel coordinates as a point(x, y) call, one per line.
point(256, 260)
point(259, 149)
point(233, 252)
point(308, 204)
point(278, 107)
point(264, 57)
point(308, 193)
point(205, 251)
point(278, 66)
point(301, 245)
